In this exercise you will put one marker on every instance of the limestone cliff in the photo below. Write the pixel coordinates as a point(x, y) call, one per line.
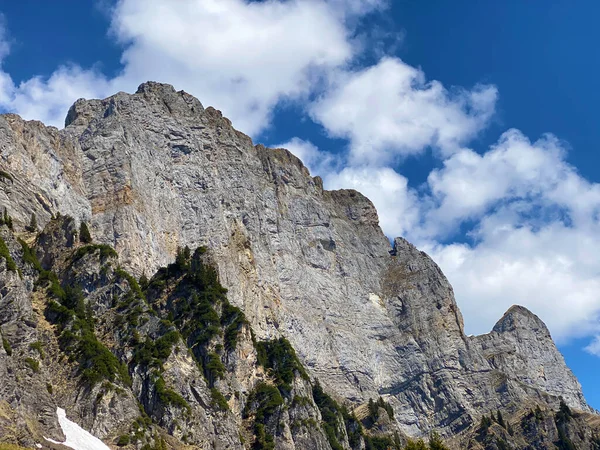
point(155, 171)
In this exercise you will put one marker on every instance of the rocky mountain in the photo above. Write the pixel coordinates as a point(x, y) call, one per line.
point(221, 298)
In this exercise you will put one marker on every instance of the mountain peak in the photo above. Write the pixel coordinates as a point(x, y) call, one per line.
point(518, 317)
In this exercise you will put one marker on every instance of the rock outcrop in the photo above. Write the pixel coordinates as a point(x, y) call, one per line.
point(156, 171)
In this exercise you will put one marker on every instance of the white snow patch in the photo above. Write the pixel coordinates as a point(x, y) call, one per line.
point(77, 437)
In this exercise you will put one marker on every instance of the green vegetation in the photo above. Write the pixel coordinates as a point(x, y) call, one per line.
point(39, 347)
point(168, 396)
point(33, 225)
point(77, 338)
point(5, 253)
point(6, 175)
point(29, 256)
point(279, 357)
point(5, 219)
point(84, 234)
point(218, 400)
point(152, 353)
point(265, 400)
point(49, 388)
point(436, 443)
point(6, 346)
point(232, 318)
point(133, 284)
point(4, 446)
point(562, 417)
point(106, 251)
point(331, 415)
point(374, 409)
point(123, 440)
point(213, 368)
point(415, 445)
point(564, 413)
point(33, 364)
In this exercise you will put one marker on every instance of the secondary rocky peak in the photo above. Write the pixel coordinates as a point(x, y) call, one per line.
point(520, 318)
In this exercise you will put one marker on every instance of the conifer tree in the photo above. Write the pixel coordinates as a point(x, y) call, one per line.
point(33, 226)
point(84, 233)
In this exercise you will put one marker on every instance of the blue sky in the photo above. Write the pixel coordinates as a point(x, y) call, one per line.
point(439, 112)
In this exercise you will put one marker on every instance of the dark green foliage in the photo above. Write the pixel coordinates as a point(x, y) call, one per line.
point(6, 346)
point(5, 253)
point(564, 413)
point(380, 443)
point(218, 400)
point(106, 251)
point(331, 415)
point(416, 445)
point(33, 225)
point(595, 441)
point(77, 339)
point(232, 318)
point(49, 388)
point(57, 313)
point(563, 416)
point(280, 358)
point(123, 440)
point(263, 439)
point(152, 353)
point(169, 396)
point(500, 419)
point(144, 282)
point(502, 444)
point(84, 234)
point(373, 410)
point(266, 399)
point(564, 443)
point(435, 442)
point(39, 347)
point(55, 289)
point(33, 364)
point(6, 175)
point(133, 284)
point(97, 362)
point(29, 256)
point(5, 219)
point(213, 368)
point(484, 424)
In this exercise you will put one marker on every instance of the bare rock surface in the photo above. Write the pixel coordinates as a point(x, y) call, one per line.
point(154, 171)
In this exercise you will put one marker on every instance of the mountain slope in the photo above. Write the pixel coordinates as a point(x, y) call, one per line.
point(154, 171)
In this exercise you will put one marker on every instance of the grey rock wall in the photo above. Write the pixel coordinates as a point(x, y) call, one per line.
point(155, 170)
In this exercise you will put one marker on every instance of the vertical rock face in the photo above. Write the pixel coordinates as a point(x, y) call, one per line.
point(521, 345)
point(154, 171)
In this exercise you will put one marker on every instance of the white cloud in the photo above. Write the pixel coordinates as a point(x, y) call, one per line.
point(396, 204)
point(594, 346)
point(318, 162)
point(533, 219)
point(242, 57)
point(390, 110)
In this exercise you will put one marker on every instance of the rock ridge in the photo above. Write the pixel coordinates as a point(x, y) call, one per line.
point(155, 171)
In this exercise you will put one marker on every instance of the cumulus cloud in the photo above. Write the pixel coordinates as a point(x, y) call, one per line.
point(396, 204)
point(242, 57)
point(389, 110)
point(594, 347)
point(317, 161)
point(527, 223)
